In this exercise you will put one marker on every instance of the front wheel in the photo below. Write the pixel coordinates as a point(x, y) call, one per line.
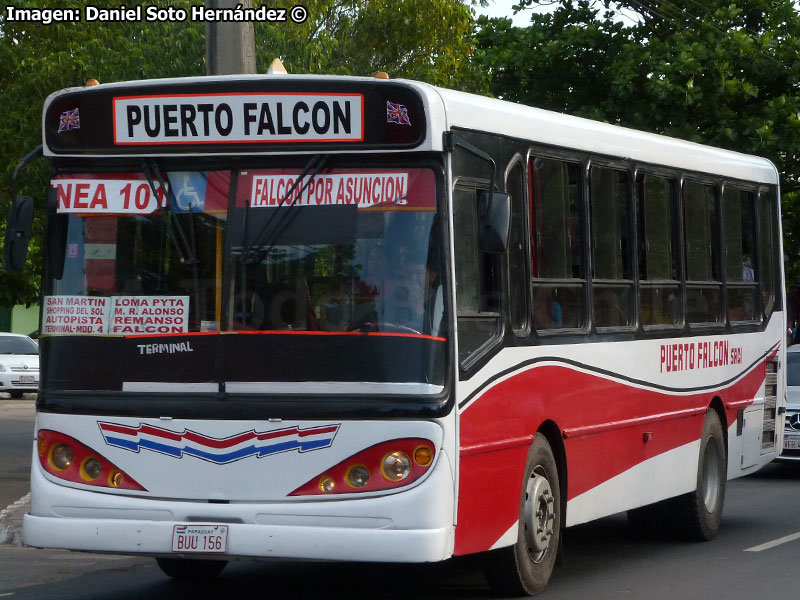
point(525, 567)
point(191, 569)
point(698, 514)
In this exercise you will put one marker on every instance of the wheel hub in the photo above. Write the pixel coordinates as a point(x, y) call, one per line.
point(539, 515)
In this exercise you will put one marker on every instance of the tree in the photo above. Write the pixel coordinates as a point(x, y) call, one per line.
point(720, 72)
point(422, 39)
point(38, 59)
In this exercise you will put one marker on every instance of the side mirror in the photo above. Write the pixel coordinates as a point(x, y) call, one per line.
point(18, 233)
point(495, 221)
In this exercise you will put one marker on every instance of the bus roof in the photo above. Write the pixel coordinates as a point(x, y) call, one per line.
point(441, 109)
point(558, 130)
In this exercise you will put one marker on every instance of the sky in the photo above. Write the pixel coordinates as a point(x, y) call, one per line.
point(502, 8)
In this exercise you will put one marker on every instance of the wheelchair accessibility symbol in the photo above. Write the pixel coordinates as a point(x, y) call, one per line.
point(189, 189)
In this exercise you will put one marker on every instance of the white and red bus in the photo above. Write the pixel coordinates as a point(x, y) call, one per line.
point(368, 320)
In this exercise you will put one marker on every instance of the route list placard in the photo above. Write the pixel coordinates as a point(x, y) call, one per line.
point(115, 315)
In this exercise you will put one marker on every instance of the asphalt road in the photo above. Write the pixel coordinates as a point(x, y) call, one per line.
point(755, 557)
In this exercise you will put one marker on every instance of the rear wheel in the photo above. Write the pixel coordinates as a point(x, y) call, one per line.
point(525, 567)
point(698, 514)
point(191, 569)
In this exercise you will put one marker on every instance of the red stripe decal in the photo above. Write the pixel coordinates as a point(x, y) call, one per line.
point(603, 422)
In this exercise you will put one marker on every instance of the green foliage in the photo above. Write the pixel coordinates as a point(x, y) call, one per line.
point(427, 40)
point(720, 72)
point(36, 60)
point(790, 215)
point(421, 39)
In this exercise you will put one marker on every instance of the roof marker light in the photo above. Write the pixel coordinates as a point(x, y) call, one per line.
point(276, 68)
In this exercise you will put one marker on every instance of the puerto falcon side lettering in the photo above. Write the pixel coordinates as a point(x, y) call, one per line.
point(238, 118)
point(217, 450)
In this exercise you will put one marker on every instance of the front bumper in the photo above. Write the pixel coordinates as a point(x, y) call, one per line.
point(415, 525)
point(245, 540)
point(791, 436)
point(11, 381)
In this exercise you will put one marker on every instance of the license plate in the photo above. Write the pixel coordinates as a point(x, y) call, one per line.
point(791, 442)
point(27, 379)
point(200, 539)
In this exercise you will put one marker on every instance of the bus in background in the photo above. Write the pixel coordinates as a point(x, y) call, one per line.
point(368, 320)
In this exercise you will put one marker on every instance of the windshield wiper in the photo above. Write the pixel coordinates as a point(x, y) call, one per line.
point(314, 165)
point(183, 246)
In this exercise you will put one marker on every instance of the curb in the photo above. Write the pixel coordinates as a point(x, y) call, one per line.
point(11, 521)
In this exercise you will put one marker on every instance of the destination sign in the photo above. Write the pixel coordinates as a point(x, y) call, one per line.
point(366, 189)
point(255, 115)
point(238, 118)
point(87, 194)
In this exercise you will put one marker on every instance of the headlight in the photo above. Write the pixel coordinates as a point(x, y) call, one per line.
point(61, 457)
point(396, 466)
point(357, 476)
point(2, 368)
point(91, 468)
point(385, 466)
point(66, 458)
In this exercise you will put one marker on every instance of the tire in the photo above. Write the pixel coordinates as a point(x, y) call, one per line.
point(526, 567)
point(696, 516)
point(191, 569)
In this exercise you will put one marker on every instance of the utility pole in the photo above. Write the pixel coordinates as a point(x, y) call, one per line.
point(231, 46)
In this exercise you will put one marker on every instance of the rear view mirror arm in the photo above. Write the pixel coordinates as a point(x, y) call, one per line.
point(452, 142)
point(22, 164)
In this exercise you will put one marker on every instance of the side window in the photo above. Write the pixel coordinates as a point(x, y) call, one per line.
point(768, 249)
point(557, 268)
point(659, 283)
point(738, 236)
point(477, 278)
point(518, 287)
point(704, 287)
point(612, 281)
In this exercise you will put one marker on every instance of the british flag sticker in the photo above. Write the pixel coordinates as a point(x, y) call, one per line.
point(397, 113)
point(70, 119)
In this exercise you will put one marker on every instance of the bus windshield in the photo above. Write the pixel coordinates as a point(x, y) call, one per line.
point(315, 278)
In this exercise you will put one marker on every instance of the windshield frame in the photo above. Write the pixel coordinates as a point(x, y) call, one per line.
point(314, 400)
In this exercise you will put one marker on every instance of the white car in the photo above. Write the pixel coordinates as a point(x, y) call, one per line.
point(19, 364)
point(791, 432)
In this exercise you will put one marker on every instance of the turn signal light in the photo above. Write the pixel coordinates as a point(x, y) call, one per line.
point(385, 466)
point(66, 458)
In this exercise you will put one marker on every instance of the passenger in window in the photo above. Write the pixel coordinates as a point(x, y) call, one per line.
point(418, 299)
point(547, 312)
point(748, 274)
point(415, 282)
point(374, 278)
point(609, 311)
point(376, 269)
point(741, 311)
point(370, 290)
